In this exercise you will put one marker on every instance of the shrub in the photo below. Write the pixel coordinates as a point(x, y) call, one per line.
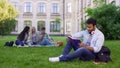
point(6, 26)
point(108, 19)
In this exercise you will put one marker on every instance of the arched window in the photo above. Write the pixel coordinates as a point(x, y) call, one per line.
point(40, 24)
point(68, 26)
point(15, 26)
point(27, 23)
point(54, 27)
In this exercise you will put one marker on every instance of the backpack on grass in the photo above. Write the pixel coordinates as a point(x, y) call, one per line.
point(10, 43)
point(103, 55)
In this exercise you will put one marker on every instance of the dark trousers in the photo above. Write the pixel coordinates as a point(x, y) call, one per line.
point(18, 42)
point(79, 52)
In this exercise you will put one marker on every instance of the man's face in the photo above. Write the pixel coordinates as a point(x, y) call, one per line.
point(90, 27)
point(43, 31)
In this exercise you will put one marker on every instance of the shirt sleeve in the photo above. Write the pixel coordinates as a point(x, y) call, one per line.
point(98, 44)
point(77, 35)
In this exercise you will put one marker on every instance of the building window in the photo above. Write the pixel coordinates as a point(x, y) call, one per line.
point(68, 27)
point(28, 7)
point(69, 7)
point(55, 8)
point(54, 27)
point(15, 5)
point(40, 24)
point(28, 23)
point(41, 7)
point(15, 27)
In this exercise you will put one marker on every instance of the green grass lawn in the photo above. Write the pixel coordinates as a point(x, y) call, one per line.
point(37, 57)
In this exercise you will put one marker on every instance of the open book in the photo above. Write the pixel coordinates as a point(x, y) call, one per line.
point(74, 40)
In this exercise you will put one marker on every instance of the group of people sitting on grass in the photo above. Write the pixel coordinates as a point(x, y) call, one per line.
point(88, 49)
point(31, 37)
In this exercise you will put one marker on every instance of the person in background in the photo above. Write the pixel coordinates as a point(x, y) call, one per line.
point(33, 36)
point(44, 38)
point(93, 40)
point(23, 36)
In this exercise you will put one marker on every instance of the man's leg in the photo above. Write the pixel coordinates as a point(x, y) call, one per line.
point(78, 53)
point(75, 44)
point(67, 48)
point(71, 44)
point(45, 41)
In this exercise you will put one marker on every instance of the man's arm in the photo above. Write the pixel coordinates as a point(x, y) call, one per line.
point(99, 44)
point(94, 47)
point(39, 36)
point(77, 35)
point(85, 46)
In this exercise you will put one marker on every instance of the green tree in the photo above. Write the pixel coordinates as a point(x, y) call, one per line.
point(7, 15)
point(108, 19)
point(57, 20)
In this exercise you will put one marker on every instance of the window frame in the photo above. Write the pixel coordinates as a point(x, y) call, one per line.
point(41, 7)
point(28, 7)
point(55, 8)
point(54, 27)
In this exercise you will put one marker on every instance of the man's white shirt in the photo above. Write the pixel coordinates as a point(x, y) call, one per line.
point(97, 40)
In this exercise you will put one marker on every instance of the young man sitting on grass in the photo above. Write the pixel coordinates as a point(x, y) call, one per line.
point(93, 40)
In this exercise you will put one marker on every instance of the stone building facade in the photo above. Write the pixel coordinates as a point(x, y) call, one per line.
point(43, 13)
